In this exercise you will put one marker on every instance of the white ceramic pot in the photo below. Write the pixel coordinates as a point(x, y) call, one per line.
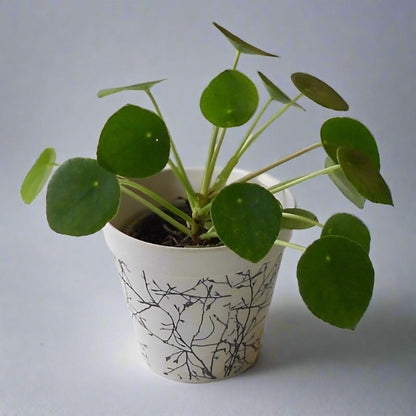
point(199, 313)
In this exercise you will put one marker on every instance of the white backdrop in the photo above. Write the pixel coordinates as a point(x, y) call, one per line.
point(66, 342)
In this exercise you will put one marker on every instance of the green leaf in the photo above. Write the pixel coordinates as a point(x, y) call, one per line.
point(81, 198)
point(38, 175)
point(319, 91)
point(344, 131)
point(229, 100)
point(293, 223)
point(364, 175)
point(240, 45)
point(344, 185)
point(247, 219)
point(144, 86)
point(336, 280)
point(275, 92)
point(134, 142)
point(349, 226)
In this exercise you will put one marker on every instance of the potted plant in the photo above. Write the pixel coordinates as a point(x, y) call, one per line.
point(198, 250)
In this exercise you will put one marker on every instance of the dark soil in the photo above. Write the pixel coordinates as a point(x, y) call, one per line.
point(153, 229)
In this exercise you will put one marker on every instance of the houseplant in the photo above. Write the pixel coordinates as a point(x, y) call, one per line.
point(229, 211)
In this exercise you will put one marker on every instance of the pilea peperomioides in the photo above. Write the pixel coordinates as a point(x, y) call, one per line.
point(335, 274)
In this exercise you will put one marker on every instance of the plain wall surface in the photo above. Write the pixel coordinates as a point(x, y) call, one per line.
point(66, 340)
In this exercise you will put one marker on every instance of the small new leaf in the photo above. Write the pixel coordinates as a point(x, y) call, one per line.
point(38, 175)
point(298, 219)
point(275, 92)
point(336, 280)
point(319, 91)
point(240, 45)
point(144, 86)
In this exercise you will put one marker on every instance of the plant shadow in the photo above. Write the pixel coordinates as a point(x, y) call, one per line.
point(294, 337)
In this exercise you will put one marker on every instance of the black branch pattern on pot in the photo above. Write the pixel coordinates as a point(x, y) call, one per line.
point(213, 327)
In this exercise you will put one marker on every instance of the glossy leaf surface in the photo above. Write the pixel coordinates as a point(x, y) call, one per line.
point(247, 219)
point(240, 45)
point(364, 176)
point(275, 92)
point(343, 131)
point(344, 185)
point(298, 223)
point(318, 91)
point(336, 280)
point(38, 175)
point(81, 198)
point(349, 226)
point(144, 86)
point(134, 143)
point(229, 100)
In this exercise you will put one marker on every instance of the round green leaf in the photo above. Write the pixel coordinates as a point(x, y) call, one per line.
point(336, 279)
point(344, 185)
point(81, 198)
point(349, 226)
point(364, 175)
point(38, 175)
point(229, 100)
point(247, 219)
point(275, 92)
point(319, 91)
point(240, 45)
point(134, 143)
point(344, 131)
point(298, 219)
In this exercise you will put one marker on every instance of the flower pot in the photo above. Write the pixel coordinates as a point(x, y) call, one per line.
point(199, 313)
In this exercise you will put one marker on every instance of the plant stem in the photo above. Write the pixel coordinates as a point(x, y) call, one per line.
point(155, 197)
point(290, 245)
point(206, 179)
point(252, 138)
point(178, 169)
point(287, 184)
point(157, 211)
point(225, 173)
point(215, 157)
point(208, 235)
point(279, 162)
point(237, 57)
point(301, 218)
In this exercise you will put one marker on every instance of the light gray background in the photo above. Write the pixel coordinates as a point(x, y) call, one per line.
point(66, 341)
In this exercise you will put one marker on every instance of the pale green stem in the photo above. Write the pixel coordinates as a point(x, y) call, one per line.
point(237, 57)
point(180, 170)
point(301, 218)
point(206, 177)
point(201, 212)
point(215, 157)
point(290, 245)
point(208, 235)
point(157, 211)
point(157, 198)
point(185, 183)
point(287, 184)
point(279, 162)
point(252, 138)
point(225, 173)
